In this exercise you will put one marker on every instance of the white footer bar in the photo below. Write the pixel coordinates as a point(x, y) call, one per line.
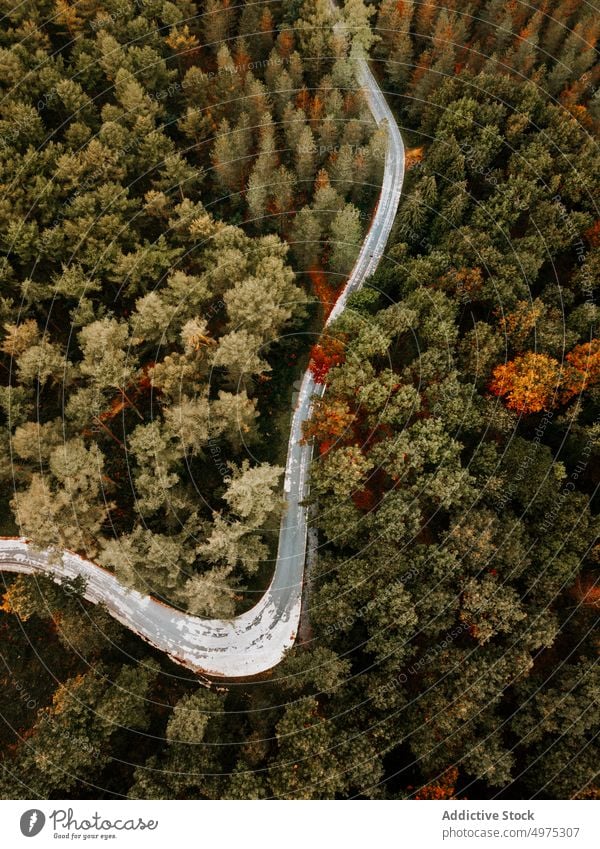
point(300, 824)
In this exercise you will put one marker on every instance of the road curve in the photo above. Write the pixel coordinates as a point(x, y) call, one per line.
point(258, 639)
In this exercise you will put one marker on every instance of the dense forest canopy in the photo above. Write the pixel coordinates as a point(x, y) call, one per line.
point(137, 325)
point(185, 188)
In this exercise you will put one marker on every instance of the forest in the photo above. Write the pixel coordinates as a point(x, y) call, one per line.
point(186, 188)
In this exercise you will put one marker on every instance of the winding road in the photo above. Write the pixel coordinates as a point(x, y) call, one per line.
point(257, 640)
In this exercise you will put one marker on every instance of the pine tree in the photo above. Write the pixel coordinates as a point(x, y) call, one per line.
point(357, 16)
point(217, 21)
point(315, 38)
point(305, 239)
point(305, 156)
point(341, 170)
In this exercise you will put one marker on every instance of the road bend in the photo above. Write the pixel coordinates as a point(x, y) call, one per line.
point(257, 640)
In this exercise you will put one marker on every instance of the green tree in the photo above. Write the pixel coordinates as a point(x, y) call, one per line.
point(345, 236)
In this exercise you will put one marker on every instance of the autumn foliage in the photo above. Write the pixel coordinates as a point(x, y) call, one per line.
point(465, 283)
point(529, 383)
point(328, 421)
point(443, 787)
point(365, 499)
point(325, 292)
point(583, 366)
point(587, 591)
point(324, 355)
point(183, 43)
point(413, 156)
point(518, 324)
point(593, 234)
point(534, 382)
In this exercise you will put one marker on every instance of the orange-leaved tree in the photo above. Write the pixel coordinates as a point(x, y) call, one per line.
point(583, 368)
point(518, 324)
point(329, 421)
point(534, 382)
point(443, 787)
point(324, 355)
point(529, 383)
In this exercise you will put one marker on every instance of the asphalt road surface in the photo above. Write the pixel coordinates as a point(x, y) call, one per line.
point(257, 640)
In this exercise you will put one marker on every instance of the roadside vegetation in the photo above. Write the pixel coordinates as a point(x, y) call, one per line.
point(148, 343)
